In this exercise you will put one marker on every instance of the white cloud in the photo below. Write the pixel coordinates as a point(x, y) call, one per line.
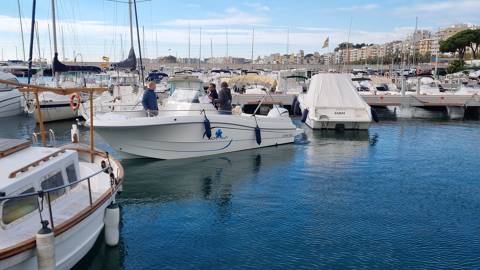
point(258, 7)
point(366, 7)
point(232, 16)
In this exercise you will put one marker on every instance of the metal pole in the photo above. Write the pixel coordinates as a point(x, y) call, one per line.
point(50, 41)
point(54, 28)
point(21, 28)
point(253, 41)
point(91, 131)
point(200, 52)
point(189, 32)
point(32, 32)
point(138, 40)
point(131, 23)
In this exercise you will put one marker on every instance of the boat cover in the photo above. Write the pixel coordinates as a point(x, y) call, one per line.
point(130, 63)
point(61, 67)
point(329, 90)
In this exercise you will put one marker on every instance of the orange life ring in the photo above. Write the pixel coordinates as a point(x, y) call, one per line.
point(75, 101)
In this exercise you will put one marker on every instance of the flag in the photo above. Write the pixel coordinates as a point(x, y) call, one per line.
point(325, 43)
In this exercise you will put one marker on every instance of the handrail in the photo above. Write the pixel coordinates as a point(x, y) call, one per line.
point(41, 193)
point(35, 163)
point(44, 191)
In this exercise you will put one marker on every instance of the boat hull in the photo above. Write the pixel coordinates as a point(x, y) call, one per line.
point(56, 111)
point(347, 125)
point(70, 246)
point(10, 103)
point(187, 138)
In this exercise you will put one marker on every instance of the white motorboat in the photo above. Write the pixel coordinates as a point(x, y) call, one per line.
point(10, 98)
point(332, 102)
point(54, 197)
point(188, 125)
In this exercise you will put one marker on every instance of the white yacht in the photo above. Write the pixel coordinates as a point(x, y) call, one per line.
point(332, 102)
point(53, 202)
point(10, 98)
point(188, 125)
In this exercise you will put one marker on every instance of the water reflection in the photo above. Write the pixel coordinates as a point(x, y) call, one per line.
point(328, 147)
point(210, 178)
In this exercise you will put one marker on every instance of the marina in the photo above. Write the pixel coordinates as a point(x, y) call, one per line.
point(357, 152)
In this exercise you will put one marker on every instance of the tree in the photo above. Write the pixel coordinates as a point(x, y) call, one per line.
point(459, 42)
point(455, 66)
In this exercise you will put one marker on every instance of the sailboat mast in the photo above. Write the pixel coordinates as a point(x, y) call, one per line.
point(253, 41)
point(63, 44)
point(138, 41)
point(21, 28)
point(54, 29)
point(200, 52)
point(189, 30)
point(131, 23)
point(32, 31)
point(121, 46)
point(38, 44)
point(288, 41)
point(211, 49)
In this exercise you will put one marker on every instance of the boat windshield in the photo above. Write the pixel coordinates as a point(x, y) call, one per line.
point(186, 95)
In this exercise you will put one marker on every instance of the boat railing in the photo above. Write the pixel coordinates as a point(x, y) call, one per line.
point(51, 137)
point(41, 194)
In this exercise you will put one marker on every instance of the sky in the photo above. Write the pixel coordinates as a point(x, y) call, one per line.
point(90, 29)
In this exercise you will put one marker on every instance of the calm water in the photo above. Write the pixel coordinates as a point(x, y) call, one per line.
point(405, 195)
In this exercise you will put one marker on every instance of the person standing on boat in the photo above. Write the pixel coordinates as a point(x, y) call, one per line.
point(224, 100)
point(149, 100)
point(212, 92)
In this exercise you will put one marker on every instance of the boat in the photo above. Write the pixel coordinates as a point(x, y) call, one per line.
point(188, 125)
point(10, 98)
point(56, 200)
point(60, 180)
point(332, 102)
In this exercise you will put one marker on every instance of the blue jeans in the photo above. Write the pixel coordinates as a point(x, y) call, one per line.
point(224, 112)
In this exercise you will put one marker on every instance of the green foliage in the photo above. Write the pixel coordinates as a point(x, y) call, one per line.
point(459, 42)
point(456, 66)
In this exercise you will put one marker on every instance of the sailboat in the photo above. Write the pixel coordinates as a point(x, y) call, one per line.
point(59, 107)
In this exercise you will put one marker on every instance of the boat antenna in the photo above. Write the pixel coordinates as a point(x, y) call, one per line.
point(21, 28)
point(288, 40)
point(138, 40)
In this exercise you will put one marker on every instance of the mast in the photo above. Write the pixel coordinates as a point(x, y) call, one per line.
point(63, 44)
point(288, 40)
point(414, 41)
point(211, 49)
point(348, 45)
point(121, 46)
point(143, 41)
point(156, 44)
point(138, 41)
point(200, 50)
point(131, 23)
point(54, 28)
point(38, 44)
point(50, 41)
point(32, 36)
point(253, 41)
point(189, 32)
point(21, 28)
point(226, 36)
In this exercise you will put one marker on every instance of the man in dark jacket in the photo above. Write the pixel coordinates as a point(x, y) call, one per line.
point(224, 100)
point(149, 100)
